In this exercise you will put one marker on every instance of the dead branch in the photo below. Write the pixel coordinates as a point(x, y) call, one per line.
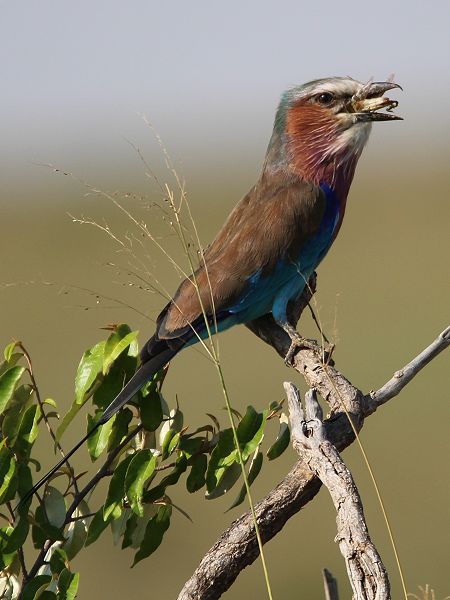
point(402, 377)
point(237, 547)
point(366, 572)
point(330, 586)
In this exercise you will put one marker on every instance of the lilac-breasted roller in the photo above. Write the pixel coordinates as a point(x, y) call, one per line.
point(279, 232)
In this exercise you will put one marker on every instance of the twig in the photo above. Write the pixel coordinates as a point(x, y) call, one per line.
point(402, 377)
point(81, 517)
point(102, 472)
point(20, 550)
point(365, 568)
point(330, 586)
point(165, 467)
point(44, 414)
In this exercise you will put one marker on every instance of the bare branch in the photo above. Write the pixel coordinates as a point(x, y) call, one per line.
point(330, 586)
point(402, 377)
point(236, 547)
point(104, 471)
point(20, 551)
point(365, 569)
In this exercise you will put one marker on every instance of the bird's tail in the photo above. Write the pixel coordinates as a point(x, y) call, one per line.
point(145, 373)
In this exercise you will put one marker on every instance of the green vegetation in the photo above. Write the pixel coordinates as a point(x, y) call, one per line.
point(147, 449)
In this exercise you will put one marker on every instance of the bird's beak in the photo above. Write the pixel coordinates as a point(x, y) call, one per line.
point(365, 103)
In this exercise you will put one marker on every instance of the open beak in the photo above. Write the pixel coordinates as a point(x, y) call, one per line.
point(366, 103)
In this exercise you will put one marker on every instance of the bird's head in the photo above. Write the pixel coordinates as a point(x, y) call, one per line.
point(323, 125)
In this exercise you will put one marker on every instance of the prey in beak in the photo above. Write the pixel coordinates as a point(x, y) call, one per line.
point(366, 103)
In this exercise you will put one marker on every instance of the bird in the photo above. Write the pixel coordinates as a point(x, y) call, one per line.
point(276, 236)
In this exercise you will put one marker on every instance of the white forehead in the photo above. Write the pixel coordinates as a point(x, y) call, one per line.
point(341, 86)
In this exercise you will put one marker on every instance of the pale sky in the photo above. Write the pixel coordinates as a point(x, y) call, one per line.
point(75, 75)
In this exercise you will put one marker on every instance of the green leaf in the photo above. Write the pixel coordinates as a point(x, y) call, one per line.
point(7, 364)
point(25, 483)
point(116, 491)
point(20, 401)
point(55, 506)
point(109, 385)
point(135, 527)
point(190, 445)
point(118, 332)
point(118, 526)
point(8, 382)
point(139, 470)
point(6, 559)
point(222, 457)
point(282, 441)
point(175, 423)
point(5, 532)
point(119, 428)
point(42, 530)
point(68, 418)
point(28, 431)
point(36, 463)
point(90, 365)
point(16, 537)
point(154, 532)
point(250, 431)
point(8, 481)
point(98, 441)
point(76, 537)
point(130, 528)
point(196, 478)
point(117, 342)
point(151, 411)
point(158, 492)
point(170, 435)
point(249, 425)
point(96, 527)
point(254, 470)
point(173, 443)
point(257, 436)
point(7, 352)
point(176, 419)
point(227, 481)
point(68, 585)
point(50, 402)
point(58, 561)
point(35, 587)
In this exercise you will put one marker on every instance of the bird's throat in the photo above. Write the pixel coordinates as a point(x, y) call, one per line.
point(320, 152)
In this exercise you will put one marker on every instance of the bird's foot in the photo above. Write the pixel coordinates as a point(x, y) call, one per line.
point(298, 341)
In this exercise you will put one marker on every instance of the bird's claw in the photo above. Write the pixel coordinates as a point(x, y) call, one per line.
point(298, 342)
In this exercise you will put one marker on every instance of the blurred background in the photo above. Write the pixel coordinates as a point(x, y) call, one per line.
point(77, 79)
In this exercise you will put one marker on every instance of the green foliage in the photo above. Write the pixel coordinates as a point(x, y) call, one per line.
point(142, 469)
point(282, 441)
point(139, 470)
point(8, 382)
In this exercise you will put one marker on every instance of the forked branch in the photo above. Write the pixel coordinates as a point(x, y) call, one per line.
point(236, 547)
point(366, 572)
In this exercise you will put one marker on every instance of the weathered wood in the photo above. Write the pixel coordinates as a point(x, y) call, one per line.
point(402, 377)
point(330, 586)
point(366, 572)
point(237, 546)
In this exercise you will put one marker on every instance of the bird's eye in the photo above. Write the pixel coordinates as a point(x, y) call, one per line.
point(325, 98)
